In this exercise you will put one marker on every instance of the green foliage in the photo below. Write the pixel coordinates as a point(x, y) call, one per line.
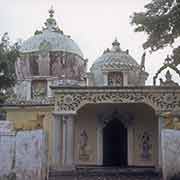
point(37, 32)
point(8, 56)
point(176, 56)
point(161, 22)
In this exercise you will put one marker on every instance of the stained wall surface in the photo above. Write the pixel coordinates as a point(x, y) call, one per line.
point(31, 118)
point(23, 154)
point(170, 153)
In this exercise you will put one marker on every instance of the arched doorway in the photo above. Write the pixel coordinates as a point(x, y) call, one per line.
point(115, 144)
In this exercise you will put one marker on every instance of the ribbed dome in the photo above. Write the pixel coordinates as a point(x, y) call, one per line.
point(50, 53)
point(51, 38)
point(116, 59)
point(55, 41)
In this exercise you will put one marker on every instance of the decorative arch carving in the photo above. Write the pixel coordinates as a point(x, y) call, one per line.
point(159, 99)
point(165, 66)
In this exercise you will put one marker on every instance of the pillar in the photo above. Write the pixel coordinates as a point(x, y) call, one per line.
point(56, 140)
point(99, 142)
point(68, 141)
point(160, 127)
point(105, 74)
point(125, 79)
point(28, 89)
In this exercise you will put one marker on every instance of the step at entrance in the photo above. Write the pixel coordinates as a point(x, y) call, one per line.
point(105, 173)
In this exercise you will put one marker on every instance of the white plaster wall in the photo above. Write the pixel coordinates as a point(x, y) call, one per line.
point(31, 155)
point(7, 149)
point(33, 144)
point(25, 154)
point(170, 153)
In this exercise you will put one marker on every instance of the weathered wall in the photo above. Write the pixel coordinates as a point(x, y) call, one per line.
point(143, 142)
point(30, 118)
point(23, 154)
point(170, 153)
point(7, 149)
point(31, 155)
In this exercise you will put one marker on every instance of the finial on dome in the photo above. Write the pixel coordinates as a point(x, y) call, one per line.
point(50, 23)
point(51, 12)
point(116, 45)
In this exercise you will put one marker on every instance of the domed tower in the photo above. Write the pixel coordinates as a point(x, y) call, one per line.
point(49, 57)
point(118, 68)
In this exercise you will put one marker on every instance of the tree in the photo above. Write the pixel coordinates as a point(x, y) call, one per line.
point(8, 56)
point(161, 22)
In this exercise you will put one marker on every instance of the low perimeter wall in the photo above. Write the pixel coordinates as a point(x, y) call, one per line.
point(171, 154)
point(23, 155)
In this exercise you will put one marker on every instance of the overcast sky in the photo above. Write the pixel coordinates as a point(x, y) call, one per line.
point(92, 24)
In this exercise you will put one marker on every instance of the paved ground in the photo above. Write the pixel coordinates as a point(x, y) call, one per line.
point(106, 174)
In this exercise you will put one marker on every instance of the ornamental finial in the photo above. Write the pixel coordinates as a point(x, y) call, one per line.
point(51, 12)
point(116, 43)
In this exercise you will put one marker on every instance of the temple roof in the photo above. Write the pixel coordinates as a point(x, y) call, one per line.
point(51, 38)
point(116, 59)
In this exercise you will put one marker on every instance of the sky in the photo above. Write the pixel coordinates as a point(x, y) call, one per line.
point(92, 24)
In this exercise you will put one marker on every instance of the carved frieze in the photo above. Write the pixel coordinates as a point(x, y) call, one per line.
point(160, 100)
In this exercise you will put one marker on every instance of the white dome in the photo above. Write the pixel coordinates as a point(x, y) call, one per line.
point(53, 41)
point(50, 53)
point(51, 38)
point(116, 59)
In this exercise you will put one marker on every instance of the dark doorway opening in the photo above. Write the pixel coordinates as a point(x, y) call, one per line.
point(115, 144)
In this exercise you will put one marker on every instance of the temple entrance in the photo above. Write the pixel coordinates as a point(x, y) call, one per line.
point(115, 144)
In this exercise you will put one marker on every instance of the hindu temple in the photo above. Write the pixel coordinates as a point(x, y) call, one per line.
point(102, 117)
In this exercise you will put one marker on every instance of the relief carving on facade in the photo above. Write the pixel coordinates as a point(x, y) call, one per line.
point(84, 150)
point(160, 101)
point(143, 146)
point(146, 146)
